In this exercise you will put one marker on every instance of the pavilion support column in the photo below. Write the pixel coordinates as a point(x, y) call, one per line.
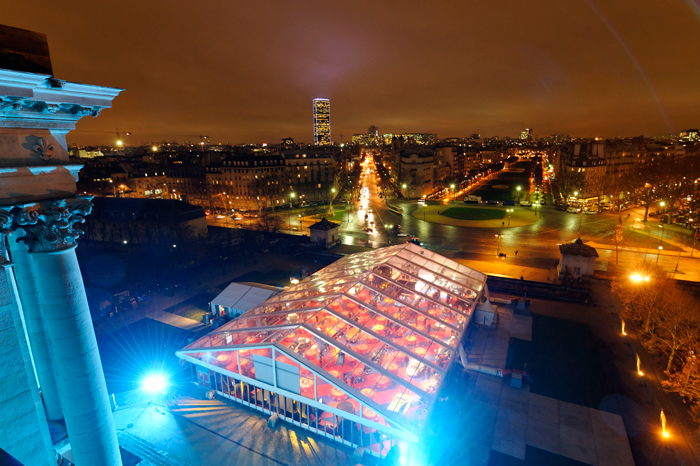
point(73, 346)
point(26, 277)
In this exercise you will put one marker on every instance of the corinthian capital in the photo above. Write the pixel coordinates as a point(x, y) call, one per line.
point(49, 225)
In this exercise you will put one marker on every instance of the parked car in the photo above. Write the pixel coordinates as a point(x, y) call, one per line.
point(573, 210)
point(590, 212)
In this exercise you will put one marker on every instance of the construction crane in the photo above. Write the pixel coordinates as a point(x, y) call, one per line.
point(201, 138)
point(120, 142)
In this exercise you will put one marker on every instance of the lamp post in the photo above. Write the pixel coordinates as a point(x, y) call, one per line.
point(425, 205)
point(518, 189)
point(453, 192)
point(289, 217)
point(388, 234)
point(695, 237)
point(404, 189)
point(509, 212)
point(300, 226)
point(498, 250)
point(661, 239)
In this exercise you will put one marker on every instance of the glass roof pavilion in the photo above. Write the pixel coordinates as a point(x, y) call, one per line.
point(377, 329)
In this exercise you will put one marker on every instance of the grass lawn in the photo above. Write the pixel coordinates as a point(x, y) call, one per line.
point(469, 213)
point(337, 215)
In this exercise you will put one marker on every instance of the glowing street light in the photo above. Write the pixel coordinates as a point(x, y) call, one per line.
point(510, 211)
point(639, 278)
point(498, 250)
point(154, 383)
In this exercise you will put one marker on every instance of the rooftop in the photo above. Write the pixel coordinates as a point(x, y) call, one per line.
point(324, 224)
point(578, 248)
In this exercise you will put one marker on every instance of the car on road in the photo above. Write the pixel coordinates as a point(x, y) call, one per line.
point(572, 210)
point(401, 234)
point(415, 241)
point(590, 212)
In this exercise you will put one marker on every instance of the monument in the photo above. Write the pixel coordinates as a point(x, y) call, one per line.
point(49, 354)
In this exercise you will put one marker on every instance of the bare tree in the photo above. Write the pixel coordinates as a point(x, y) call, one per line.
point(676, 322)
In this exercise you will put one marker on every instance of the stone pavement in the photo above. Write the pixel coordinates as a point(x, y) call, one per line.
point(510, 419)
point(192, 431)
point(176, 320)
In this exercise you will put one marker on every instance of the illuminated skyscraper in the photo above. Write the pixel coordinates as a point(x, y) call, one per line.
point(322, 122)
point(526, 134)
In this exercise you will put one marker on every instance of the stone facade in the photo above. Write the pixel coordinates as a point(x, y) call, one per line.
point(45, 325)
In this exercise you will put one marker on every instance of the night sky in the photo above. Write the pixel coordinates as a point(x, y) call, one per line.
point(247, 71)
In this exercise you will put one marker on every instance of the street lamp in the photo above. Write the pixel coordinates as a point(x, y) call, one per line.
point(301, 229)
point(509, 212)
point(518, 189)
point(453, 192)
point(289, 217)
point(658, 254)
point(498, 251)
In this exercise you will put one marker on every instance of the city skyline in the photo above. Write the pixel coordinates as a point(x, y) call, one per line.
point(608, 73)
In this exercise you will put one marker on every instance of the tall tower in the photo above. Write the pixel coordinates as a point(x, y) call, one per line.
point(322, 122)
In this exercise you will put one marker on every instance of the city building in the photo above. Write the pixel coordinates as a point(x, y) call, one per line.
point(689, 135)
point(322, 122)
point(311, 173)
point(138, 221)
point(247, 182)
point(51, 364)
point(412, 138)
point(526, 135)
point(357, 352)
point(188, 183)
point(416, 171)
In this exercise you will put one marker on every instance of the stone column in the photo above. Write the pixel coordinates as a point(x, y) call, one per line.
point(23, 430)
point(81, 385)
point(25, 274)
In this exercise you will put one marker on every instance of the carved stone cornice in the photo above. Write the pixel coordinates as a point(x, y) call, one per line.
point(49, 225)
point(16, 104)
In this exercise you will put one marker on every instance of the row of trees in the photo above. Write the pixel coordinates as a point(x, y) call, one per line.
point(671, 181)
point(668, 319)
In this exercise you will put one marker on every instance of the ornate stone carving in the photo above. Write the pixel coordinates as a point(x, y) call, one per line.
point(49, 225)
point(54, 83)
point(6, 103)
point(44, 148)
